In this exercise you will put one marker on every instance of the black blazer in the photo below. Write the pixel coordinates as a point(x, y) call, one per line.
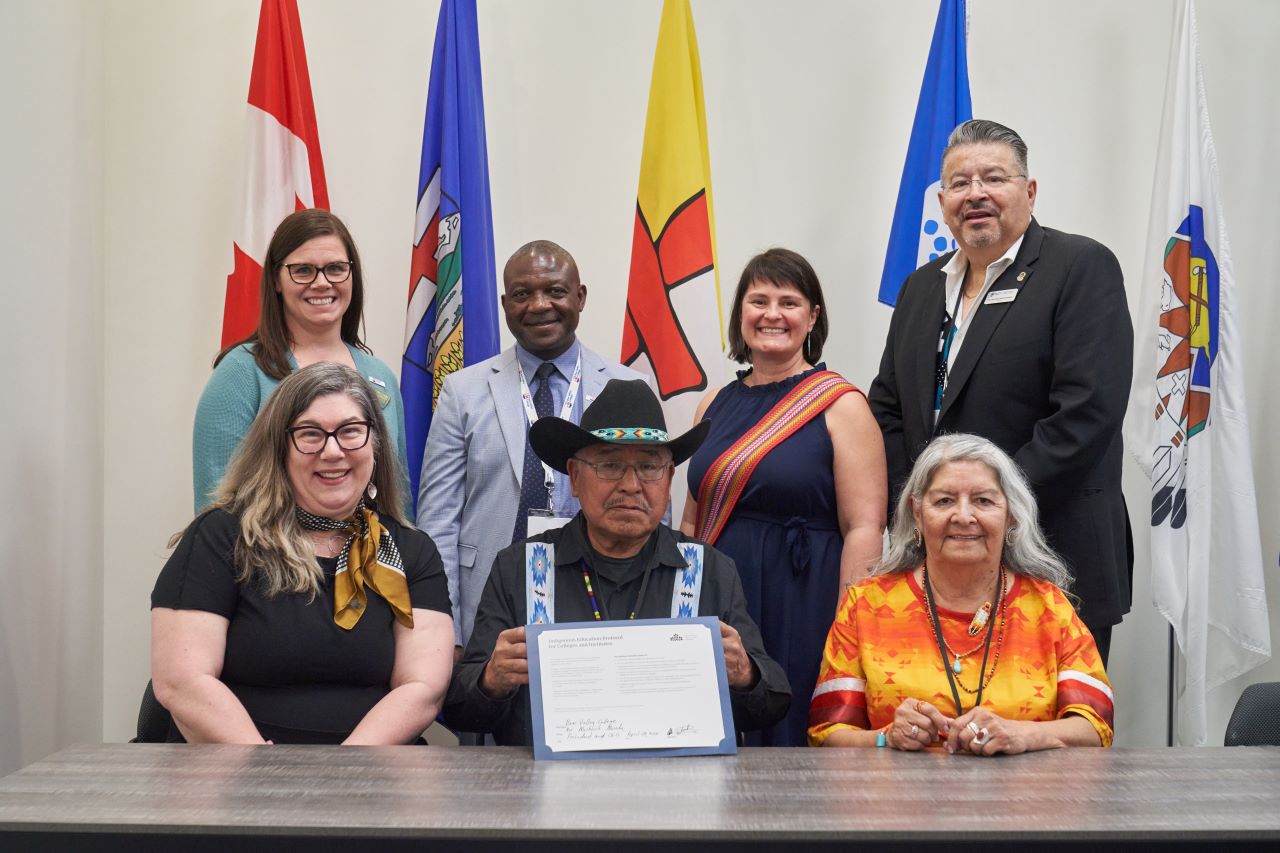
point(1045, 377)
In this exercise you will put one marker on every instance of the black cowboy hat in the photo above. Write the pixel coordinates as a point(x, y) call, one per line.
point(626, 414)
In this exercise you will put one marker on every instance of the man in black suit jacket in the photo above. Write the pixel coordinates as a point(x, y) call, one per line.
point(1021, 336)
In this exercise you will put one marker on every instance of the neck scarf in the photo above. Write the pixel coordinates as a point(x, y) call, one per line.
point(369, 558)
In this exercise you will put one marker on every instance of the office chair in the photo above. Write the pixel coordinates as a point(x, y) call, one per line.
point(154, 719)
point(1256, 718)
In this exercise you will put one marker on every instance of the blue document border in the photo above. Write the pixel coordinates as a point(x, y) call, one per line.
point(727, 746)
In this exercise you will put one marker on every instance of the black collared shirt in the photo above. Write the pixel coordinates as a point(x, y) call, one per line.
point(617, 584)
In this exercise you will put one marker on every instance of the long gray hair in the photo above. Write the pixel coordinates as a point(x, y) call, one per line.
point(272, 548)
point(1025, 549)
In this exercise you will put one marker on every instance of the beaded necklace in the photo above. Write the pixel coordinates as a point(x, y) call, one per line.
point(953, 670)
point(596, 610)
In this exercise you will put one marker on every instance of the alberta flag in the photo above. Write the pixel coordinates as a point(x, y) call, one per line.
point(918, 234)
point(1187, 423)
point(452, 318)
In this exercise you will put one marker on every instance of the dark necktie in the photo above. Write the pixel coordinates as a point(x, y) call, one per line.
point(533, 485)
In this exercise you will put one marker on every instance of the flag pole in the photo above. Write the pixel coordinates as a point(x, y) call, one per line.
point(1171, 699)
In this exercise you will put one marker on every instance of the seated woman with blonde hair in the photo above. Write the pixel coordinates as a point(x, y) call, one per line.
point(302, 607)
point(963, 637)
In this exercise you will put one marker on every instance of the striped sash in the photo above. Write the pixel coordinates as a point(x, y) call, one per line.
point(727, 477)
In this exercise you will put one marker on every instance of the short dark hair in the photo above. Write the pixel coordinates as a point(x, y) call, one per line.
point(978, 130)
point(781, 267)
point(271, 338)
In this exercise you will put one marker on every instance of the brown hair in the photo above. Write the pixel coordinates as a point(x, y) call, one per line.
point(781, 267)
point(272, 549)
point(271, 338)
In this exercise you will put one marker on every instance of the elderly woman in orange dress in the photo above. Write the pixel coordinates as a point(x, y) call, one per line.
point(964, 636)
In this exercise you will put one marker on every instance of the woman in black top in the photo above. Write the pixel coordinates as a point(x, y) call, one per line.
point(302, 607)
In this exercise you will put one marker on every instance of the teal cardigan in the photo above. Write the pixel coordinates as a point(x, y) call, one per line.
point(238, 389)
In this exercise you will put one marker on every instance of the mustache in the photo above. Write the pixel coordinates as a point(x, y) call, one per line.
point(637, 502)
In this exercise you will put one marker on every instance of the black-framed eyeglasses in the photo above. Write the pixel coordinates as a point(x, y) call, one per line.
point(335, 272)
point(312, 439)
point(609, 470)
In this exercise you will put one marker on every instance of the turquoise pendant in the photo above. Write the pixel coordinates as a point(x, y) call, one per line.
point(955, 667)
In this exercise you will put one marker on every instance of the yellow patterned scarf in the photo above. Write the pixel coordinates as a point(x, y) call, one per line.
point(369, 558)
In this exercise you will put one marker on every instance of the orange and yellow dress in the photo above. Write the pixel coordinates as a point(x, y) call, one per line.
point(881, 651)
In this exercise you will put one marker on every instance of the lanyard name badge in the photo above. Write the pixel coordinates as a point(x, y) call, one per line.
point(950, 325)
point(542, 520)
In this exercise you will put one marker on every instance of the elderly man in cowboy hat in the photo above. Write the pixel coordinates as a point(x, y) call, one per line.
point(614, 560)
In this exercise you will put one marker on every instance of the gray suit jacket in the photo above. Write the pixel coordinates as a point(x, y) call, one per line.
point(470, 487)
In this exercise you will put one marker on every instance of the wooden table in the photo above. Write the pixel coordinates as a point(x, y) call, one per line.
point(197, 798)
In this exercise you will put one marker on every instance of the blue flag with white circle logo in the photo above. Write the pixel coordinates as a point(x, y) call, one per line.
point(919, 235)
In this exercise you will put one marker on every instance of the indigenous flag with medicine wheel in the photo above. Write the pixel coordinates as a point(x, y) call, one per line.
point(673, 328)
point(449, 276)
point(1186, 422)
point(919, 234)
point(283, 170)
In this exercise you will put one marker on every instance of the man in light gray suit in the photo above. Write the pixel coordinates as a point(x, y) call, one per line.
point(470, 500)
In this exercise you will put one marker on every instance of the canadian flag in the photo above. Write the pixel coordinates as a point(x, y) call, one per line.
point(283, 168)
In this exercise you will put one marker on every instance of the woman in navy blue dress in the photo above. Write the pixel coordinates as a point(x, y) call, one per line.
point(791, 480)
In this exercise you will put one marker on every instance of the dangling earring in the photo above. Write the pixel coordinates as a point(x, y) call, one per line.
point(918, 540)
point(808, 345)
point(371, 491)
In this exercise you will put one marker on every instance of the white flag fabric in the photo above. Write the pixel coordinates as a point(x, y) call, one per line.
point(1187, 422)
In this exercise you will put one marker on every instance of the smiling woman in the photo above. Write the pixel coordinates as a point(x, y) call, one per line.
point(302, 607)
point(791, 481)
point(312, 298)
point(964, 639)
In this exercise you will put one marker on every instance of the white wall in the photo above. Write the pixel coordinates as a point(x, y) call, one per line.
point(51, 440)
point(809, 105)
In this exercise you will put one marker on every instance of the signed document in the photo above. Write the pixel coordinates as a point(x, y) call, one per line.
point(655, 686)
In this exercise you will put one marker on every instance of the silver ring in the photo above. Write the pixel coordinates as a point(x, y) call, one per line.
point(982, 737)
point(973, 727)
point(915, 730)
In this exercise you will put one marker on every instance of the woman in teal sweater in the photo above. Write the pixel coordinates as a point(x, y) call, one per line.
point(311, 310)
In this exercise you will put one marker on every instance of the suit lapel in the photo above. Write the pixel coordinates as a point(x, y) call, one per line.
point(925, 369)
point(504, 387)
point(594, 377)
point(989, 317)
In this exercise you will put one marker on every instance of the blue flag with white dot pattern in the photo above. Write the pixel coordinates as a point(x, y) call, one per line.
point(919, 235)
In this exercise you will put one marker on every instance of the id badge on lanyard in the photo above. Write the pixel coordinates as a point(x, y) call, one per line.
point(541, 520)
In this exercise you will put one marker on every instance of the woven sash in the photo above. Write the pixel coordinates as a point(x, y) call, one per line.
point(727, 477)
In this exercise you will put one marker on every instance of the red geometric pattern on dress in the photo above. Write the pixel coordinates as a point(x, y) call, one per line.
point(840, 707)
point(1076, 692)
point(882, 636)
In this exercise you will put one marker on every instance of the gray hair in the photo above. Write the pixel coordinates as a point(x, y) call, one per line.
point(1025, 550)
point(979, 130)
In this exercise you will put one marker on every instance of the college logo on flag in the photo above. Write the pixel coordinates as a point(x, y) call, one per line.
point(919, 234)
point(1188, 344)
point(1187, 422)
